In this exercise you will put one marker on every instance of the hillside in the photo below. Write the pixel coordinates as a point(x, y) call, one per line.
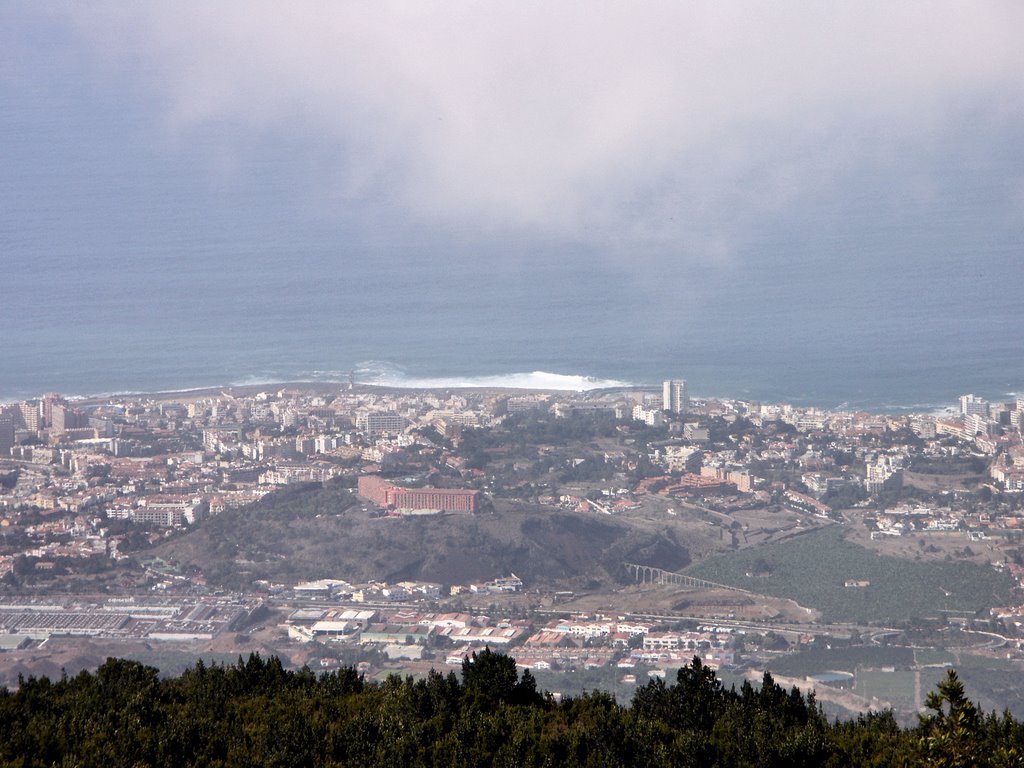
point(317, 532)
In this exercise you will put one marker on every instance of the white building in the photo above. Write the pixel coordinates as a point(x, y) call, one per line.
point(652, 417)
point(673, 396)
point(378, 423)
point(879, 471)
point(972, 404)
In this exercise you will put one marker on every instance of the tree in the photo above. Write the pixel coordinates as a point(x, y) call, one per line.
point(490, 678)
point(699, 695)
point(950, 737)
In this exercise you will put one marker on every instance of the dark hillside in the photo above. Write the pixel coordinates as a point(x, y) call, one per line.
point(315, 532)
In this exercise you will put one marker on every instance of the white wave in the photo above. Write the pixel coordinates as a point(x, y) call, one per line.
point(911, 409)
point(369, 372)
point(327, 377)
point(387, 374)
point(248, 381)
point(137, 393)
point(257, 381)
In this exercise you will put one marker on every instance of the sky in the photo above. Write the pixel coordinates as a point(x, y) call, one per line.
point(692, 145)
point(651, 127)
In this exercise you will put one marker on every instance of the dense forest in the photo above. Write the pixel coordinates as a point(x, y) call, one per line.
point(258, 713)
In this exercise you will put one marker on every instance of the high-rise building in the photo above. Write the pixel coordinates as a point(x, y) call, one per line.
point(972, 404)
point(46, 407)
point(6, 432)
point(57, 418)
point(29, 411)
point(63, 418)
point(673, 396)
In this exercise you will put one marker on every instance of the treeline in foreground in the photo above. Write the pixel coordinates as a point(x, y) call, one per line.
point(258, 713)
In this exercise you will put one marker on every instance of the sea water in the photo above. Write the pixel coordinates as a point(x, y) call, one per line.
point(132, 260)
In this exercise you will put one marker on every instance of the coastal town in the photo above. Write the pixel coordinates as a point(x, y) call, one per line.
point(94, 490)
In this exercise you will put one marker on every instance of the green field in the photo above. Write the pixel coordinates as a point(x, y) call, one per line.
point(812, 568)
point(847, 659)
point(971, 661)
point(927, 656)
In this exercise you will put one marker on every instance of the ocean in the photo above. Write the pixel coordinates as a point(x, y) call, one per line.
point(136, 258)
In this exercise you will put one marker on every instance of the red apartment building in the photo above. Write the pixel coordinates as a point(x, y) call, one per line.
point(421, 500)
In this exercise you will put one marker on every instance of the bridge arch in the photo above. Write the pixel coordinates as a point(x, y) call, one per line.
point(648, 574)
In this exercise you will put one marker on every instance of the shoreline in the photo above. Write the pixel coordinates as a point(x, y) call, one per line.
point(331, 387)
point(334, 387)
point(537, 381)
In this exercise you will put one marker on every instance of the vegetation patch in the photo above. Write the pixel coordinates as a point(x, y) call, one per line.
point(814, 569)
point(815, 660)
point(256, 712)
point(933, 656)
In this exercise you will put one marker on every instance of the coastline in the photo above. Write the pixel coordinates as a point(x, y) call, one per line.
point(329, 387)
point(323, 387)
point(393, 380)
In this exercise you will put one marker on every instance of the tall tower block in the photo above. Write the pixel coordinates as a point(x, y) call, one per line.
point(673, 396)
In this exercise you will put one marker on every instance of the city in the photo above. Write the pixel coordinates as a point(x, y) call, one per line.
point(599, 538)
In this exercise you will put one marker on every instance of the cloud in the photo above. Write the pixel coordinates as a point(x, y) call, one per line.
point(641, 125)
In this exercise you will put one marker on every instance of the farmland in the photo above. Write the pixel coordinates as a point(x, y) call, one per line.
point(813, 570)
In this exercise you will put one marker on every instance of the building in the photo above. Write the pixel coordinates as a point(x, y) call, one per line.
point(501, 585)
point(954, 427)
point(673, 396)
point(64, 419)
point(681, 458)
point(805, 503)
point(46, 407)
point(976, 424)
point(167, 511)
point(521, 403)
point(325, 443)
point(696, 433)
point(881, 473)
point(103, 426)
point(380, 423)
point(6, 433)
point(29, 415)
point(649, 416)
point(923, 427)
point(417, 500)
point(973, 405)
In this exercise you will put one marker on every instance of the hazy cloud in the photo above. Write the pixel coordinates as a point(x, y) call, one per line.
point(648, 125)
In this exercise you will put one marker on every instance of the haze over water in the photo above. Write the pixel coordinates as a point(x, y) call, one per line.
point(855, 261)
